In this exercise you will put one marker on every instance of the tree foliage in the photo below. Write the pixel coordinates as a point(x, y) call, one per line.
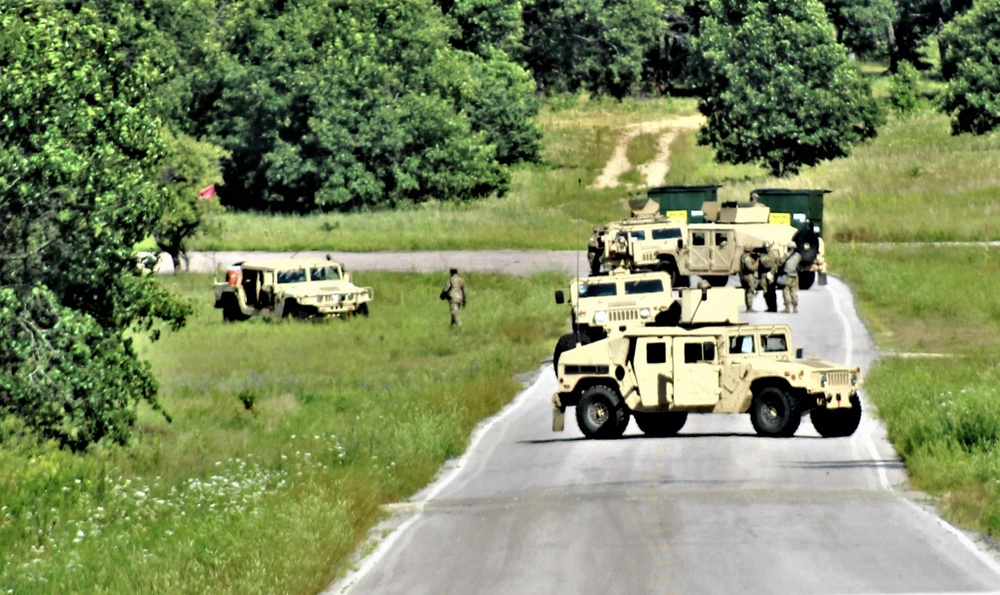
point(971, 62)
point(598, 46)
point(338, 105)
point(79, 158)
point(863, 25)
point(776, 87)
point(190, 165)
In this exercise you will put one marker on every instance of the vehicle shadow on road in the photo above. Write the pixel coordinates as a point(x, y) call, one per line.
point(692, 435)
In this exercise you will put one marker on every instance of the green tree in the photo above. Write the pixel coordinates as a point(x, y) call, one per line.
point(79, 157)
point(776, 87)
point(595, 45)
point(190, 166)
point(863, 25)
point(903, 93)
point(916, 21)
point(971, 61)
point(334, 105)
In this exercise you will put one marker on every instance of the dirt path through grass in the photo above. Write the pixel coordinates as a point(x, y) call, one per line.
point(655, 171)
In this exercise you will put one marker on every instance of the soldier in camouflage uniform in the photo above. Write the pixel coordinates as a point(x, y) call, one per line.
point(454, 291)
point(790, 269)
point(770, 262)
point(748, 275)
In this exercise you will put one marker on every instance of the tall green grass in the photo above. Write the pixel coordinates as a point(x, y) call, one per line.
point(935, 312)
point(345, 416)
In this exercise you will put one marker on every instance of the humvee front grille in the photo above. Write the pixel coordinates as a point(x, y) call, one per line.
point(623, 315)
point(839, 378)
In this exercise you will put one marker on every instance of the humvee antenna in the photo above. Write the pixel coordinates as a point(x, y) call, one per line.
point(576, 333)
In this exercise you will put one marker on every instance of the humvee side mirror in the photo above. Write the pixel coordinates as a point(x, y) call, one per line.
point(347, 277)
point(680, 244)
point(560, 297)
point(798, 353)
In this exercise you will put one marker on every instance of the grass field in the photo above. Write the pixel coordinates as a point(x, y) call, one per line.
point(288, 437)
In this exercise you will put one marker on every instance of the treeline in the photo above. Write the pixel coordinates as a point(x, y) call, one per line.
point(114, 115)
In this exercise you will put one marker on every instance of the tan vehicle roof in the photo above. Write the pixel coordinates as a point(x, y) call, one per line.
point(288, 263)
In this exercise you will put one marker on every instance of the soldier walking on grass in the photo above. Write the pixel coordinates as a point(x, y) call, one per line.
point(454, 292)
point(748, 275)
point(790, 271)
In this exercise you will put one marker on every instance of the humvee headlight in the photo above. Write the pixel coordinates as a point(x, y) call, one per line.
point(335, 297)
point(350, 297)
point(824, 381)
point(644, 313)
point(601, 317)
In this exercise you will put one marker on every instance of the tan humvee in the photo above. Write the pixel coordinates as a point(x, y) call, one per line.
point(660, 374)
point(603, 304)
point(299, 288)
point(710, 250)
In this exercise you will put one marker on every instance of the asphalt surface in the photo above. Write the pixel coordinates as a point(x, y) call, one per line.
point(715, 509)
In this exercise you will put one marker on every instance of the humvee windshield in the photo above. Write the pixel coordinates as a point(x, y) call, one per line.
point(646, 286)
point(327, 273)
point(666, 234)
point(598, 290)
point(291, 276)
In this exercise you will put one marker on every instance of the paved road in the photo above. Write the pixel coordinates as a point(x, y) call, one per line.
point(516, 262)
point(713, 510)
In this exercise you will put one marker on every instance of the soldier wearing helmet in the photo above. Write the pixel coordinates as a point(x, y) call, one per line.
point(790, 272)
point(748, 275)
point(770, 262)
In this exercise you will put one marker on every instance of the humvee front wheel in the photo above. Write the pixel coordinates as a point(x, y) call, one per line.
point(362, 310)
point(773, 413)
point(836, 423)
point(806, 279)
point(660, 424)
point(717, 280)
point(601, 414)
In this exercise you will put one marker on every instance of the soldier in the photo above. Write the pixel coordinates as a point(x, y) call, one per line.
point(454, 292)
point(769, 265)
point(748, 275)
point(790, 270)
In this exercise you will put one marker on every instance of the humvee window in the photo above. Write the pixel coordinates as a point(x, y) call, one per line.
point(699, 352)
point(598, 290)
point(774, 343)
point(324, 274)
point(656, 353)
point(698, 239)
point(666, 234)
point(741, 344)
point(637, 235)
point(721, 239)
point(645, 286)
point(292, 276)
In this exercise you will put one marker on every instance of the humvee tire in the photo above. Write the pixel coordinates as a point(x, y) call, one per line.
point(773, 413)
point(806, 279)
point(660, 424)
point(717, 280)
point(836, 423)
point(565, 343)
point(362, 310)
point(601, 414)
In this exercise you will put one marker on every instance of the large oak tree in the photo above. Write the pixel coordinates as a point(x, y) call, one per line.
point(776, 87)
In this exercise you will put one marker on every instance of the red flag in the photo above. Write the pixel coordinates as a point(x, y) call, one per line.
point(207, 193)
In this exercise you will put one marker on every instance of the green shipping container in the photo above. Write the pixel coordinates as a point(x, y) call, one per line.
point(674, 199)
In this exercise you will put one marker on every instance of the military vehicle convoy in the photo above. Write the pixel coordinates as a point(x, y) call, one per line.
point(705, 364)
point(290, 288)
point(660, 238)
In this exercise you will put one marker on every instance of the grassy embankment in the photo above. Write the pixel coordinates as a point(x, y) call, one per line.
point(348, 416)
